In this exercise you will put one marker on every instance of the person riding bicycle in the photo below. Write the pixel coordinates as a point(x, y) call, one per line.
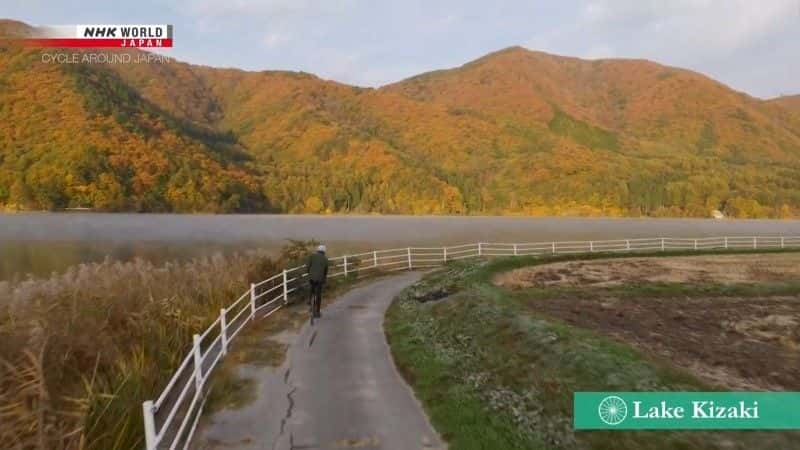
point(317, 268)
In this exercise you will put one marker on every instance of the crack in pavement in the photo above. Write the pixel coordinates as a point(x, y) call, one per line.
point(289, 409)
point(345, 386)
point(290, 397)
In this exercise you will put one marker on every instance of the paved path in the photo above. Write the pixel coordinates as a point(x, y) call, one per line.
point(338, 388)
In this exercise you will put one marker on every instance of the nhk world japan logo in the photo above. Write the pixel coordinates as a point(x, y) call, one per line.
point(101, 36)
point(686, 410)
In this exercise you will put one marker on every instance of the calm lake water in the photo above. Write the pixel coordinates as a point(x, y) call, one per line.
point(40, 243)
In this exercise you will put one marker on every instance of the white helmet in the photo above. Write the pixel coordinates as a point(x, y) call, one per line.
point(321, 248)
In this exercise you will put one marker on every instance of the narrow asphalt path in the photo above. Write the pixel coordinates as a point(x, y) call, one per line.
point(338, 388)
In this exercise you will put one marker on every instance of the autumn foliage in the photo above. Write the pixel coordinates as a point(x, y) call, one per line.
point(515, 132)
point(791, 102)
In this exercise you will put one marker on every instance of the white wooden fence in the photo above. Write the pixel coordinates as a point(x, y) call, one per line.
point(170, 420)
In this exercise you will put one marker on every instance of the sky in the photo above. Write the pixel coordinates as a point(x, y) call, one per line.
point(750, 45)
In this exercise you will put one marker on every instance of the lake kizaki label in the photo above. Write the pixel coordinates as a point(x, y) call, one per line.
point(686, 410)
point(101, 36)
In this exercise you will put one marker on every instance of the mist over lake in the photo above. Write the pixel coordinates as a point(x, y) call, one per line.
point(40, 243)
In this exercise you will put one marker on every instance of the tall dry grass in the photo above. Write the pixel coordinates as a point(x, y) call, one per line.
point(81, 350)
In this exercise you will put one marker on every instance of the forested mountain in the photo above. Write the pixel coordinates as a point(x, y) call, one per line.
point(77, 136)
point(791, 102)
point(514, 132)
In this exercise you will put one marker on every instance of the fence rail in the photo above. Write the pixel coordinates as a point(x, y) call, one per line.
point(170, 421)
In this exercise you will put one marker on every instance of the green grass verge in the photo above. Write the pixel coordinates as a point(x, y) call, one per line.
point(493, 374)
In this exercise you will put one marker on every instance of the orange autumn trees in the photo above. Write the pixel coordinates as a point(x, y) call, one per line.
point(78, 137)
point(514, 132)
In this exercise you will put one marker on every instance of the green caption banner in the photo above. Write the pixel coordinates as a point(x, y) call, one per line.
point(686, 410)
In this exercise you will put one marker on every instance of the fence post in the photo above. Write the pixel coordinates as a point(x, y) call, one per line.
point(223, 332)
point(252, 300)
point(285, 287)
point(726, 242)
point(480, 248)
point(409, 258)
point(198, 362)
point(755, 244)
point(591, 247)
point(375, 258)
point(345, 265)
point(662, 244)
point(782, 242)
point(628, 245)
point(554, 247)
point(149, 425)
point(515, 250)
point(695, 244)
point(444, 254)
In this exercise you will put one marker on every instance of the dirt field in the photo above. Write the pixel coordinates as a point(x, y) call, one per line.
point(733, 342)
point(691, 269)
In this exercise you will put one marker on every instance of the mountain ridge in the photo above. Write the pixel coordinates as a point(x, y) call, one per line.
point(513, 132)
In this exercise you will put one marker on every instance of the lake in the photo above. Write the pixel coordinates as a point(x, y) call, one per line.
point(40, 243)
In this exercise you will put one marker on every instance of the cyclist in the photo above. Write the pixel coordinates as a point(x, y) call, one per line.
point(317, 268)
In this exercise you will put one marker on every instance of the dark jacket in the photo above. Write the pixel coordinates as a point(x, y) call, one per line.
point(317, 267)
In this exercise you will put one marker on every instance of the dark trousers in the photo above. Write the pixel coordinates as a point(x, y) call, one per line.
point(316, 289)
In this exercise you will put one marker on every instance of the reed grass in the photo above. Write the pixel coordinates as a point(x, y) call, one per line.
point(80, 350)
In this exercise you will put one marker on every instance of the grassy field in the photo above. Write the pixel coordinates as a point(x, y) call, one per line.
point(496, 366)
point(81, 350)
